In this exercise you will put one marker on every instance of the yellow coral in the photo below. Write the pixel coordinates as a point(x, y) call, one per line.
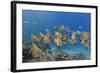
point(37, 52)
point(58, 41)
point(84, 36)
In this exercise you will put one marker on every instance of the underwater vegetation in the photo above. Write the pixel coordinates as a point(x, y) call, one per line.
point(53, 46)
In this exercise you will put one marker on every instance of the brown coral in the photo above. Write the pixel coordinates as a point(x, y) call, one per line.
point(36, 52)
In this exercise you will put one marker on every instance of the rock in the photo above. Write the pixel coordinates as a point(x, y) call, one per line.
point(27, 54)
point(60, 58)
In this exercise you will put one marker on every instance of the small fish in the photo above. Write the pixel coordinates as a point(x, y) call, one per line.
point(47, 30)
point(80, 27)
point(34, 22)
point(26, 22)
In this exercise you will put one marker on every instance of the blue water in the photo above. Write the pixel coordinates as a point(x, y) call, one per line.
point(35, 21)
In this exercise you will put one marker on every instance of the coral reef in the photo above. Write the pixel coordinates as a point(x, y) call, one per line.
point(52, 46)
